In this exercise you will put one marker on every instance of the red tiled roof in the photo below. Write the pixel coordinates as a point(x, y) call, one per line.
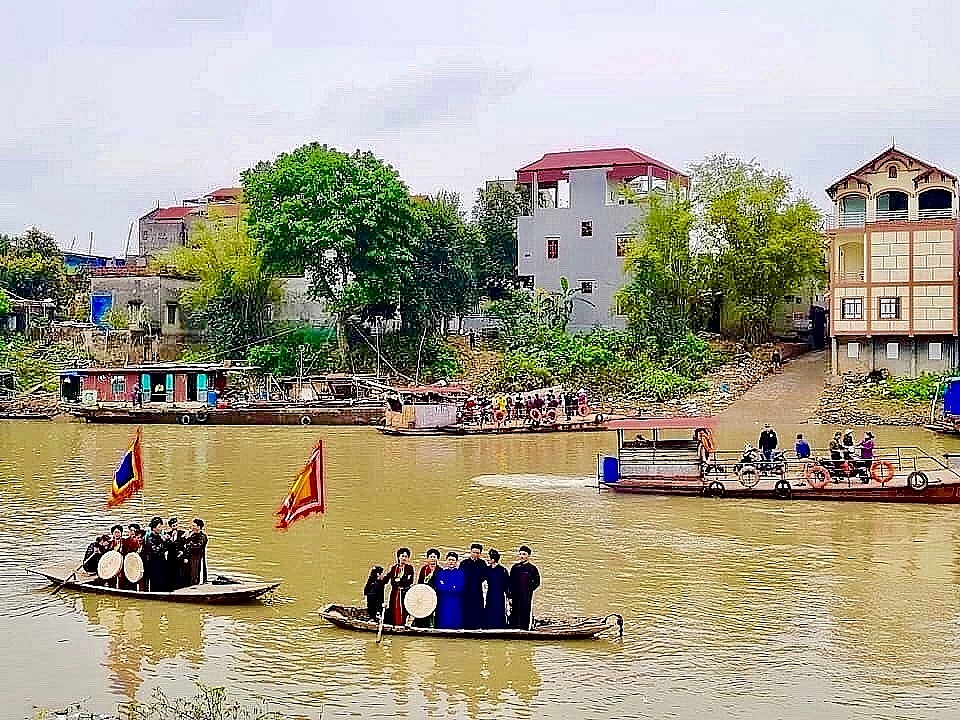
point(172, 213)
point(228, 193)
point(593, 158)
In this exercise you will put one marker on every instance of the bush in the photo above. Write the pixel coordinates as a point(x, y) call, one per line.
point(37, 362)
point(281, 355)
point(919, 389)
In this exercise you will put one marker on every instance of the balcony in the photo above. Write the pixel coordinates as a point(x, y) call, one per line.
point(936, 214)
point(853, 218)
point(850, 277)
point(892, 215)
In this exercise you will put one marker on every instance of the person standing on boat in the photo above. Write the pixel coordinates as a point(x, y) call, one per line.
point(95, 551)
point(373, 592)
point(195, 553)
point(155, 557)
point(498, 582)
point(848, 445)
point(802, 448)
point(474, 573)
point(116, 538)
point(400, 578)
point(524, 580)
point(176, 575)
point(428, 576)
point(449, 587)
point(767, 442)
point(866, 454)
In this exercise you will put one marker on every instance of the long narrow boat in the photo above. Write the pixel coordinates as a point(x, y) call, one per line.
point(224, 592)
point(651, 462)
point(594, 424)
point(574, 628)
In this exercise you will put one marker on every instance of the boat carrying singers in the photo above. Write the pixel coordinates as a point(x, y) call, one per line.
point(172, 558)
point(461, 603)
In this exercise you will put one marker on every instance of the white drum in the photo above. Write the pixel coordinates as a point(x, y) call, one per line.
point(133, 567)
point(110, 565)
point(420, 600)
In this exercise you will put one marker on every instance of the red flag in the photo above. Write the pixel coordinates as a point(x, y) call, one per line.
point(128, 477)
point(307, 494)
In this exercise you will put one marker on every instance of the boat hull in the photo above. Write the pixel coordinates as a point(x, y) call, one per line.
point(505, 429)
point(231, 416)
point(206, 593)
point(354, 618)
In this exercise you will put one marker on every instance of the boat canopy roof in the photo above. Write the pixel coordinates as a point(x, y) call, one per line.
point(662, 423)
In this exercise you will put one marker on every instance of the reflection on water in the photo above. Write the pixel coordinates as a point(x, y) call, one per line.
point(733, 609)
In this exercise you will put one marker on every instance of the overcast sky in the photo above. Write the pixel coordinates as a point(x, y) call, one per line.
point(110, 109)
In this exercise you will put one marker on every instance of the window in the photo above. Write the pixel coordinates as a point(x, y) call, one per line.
point(893, 351)
point(852, 308)
point(586, 228)
point(171, 314)
point(623, 244)
point(586, 287)
point(935, 351)
point(889, 308)
point(118, 385)
point(892, 171)
point(162, 236)
point(853, 350)
point(553, 248)
point(526, 281)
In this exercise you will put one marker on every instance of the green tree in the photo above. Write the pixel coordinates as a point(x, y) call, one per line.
point(4, 304)
point(232, 297)
point(344, 219)
point(495, 213)
point(31, 267)
point(769, 243)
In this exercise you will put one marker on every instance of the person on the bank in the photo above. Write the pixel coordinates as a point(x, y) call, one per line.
point(474, 573)
point(449, 587)
point(95, 551)
point(195, 553)
point(802, 448)
point(428, 576)
point(767, 442)
point(498, 582)
point(400, 579)
point(524, 580)
point(154, 556)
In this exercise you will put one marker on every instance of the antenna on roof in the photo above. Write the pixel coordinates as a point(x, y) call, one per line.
point(893, 142)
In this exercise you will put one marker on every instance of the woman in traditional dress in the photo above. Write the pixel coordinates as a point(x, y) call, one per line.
point(498, 582)
point(400, 578)
point(449, 587)
point(428, 576)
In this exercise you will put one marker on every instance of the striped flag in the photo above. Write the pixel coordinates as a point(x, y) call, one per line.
point(307, 494)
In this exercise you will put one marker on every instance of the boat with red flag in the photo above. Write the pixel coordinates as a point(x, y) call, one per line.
point(678, 456)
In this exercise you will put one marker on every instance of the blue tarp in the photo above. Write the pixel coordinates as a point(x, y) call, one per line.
point(99, 306)
point(951, 397)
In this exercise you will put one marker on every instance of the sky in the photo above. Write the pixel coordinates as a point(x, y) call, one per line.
point(113, 107)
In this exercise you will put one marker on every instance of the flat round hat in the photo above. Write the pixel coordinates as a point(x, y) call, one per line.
point(420, 600)
point(110, 565)
point(133, 567)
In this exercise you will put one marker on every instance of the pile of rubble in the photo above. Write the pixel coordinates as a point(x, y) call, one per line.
point(855, 400)
point(37, 405)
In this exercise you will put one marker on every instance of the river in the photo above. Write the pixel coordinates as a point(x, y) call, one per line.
point(733, 609)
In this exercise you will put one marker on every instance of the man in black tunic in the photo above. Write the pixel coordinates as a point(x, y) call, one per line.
point(176, 569)
point(474, 573)
point(95, 551)
point(154, 556)
point(195, 553)
point(524, 579)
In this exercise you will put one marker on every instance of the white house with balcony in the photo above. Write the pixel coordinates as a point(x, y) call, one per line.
point(893, 267)
point(580, 224)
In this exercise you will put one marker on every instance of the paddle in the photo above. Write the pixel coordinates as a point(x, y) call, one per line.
point(383, 614)
point(67, 579)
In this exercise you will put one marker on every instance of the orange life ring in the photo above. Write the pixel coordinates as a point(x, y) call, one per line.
point(817, 477)
point(499, 415)
point(583, 409)
point(887, 474)
point(535, 414)
point(551, 416)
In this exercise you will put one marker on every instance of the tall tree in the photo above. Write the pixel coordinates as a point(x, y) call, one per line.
point(344, 219)
point(31, 266)
point(769, 241)
point(232, 298)
point(495, 213)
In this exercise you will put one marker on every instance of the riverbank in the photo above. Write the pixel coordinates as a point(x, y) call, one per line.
point(856, 401)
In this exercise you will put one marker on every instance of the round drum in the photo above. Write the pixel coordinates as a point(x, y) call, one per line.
point(420, 600)
point(133, 567)
point(109, 565)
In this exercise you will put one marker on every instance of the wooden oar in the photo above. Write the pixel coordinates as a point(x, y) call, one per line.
point(383, 614)
point(67, 579)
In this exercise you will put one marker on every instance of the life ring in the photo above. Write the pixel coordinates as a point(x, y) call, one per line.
point(201, 416)
point(748, 476)
point(882, 472)
point(782, 489)
point(917, 480)
point(551, 416)
point(499, 415)
point(535, 414)
point(305, 420)
point(817, 477)
point(185, 419)
point(716, 489)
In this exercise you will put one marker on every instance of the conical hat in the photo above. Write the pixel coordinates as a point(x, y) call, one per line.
point(109, 565)
point(420, 600)
point(133, 567)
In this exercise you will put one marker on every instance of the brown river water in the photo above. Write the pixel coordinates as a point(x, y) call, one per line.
point(733, 608)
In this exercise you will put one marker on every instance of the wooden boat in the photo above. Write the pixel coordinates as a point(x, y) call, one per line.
point(654, 463)
point(216, 592)
point(574, 628)
point(361, 413)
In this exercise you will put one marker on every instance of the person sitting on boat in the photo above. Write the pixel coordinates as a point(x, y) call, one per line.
point(428, 576)
point(449, 587)
point(498, 582)
point(195, 553)
point(767, 442)
point(95, 551)
point(524, 580)
point(474, 573)
point(373, 592)
point(154, 556)
point(802, 448)
point(400, 578)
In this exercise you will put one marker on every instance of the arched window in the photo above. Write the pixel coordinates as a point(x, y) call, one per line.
point(892, 171)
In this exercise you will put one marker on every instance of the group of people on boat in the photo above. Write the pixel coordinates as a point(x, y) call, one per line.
point(531, 408)
point(172, 558)
point(844, 450)
point(472, 594)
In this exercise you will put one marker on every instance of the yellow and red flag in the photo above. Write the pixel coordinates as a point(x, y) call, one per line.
point(128, 477)
point(307, 494)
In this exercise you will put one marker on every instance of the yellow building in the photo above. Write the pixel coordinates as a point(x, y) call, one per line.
point(893, 267)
